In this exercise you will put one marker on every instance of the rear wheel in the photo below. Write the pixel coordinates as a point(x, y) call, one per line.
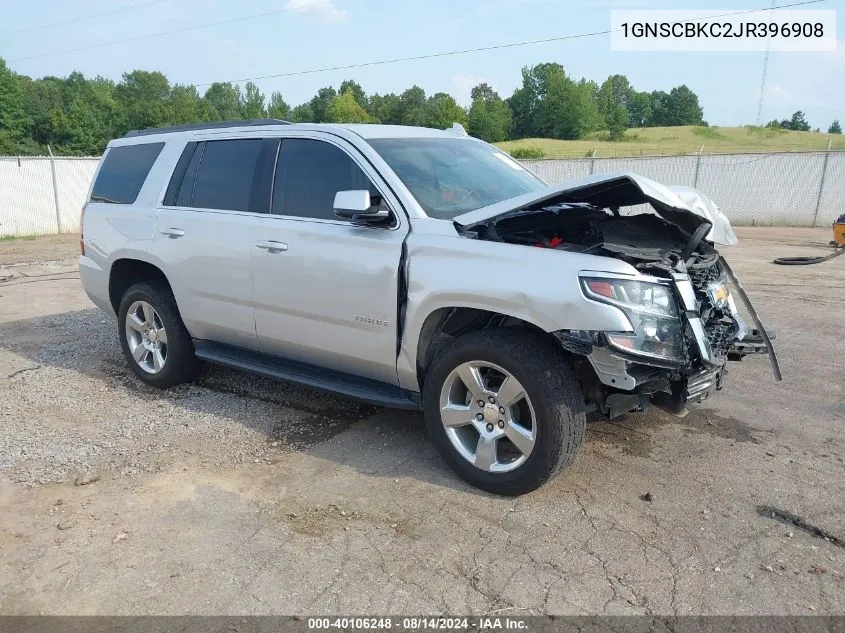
point(154, 340)
point(504, 409)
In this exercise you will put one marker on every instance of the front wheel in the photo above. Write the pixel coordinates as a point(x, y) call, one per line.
point(504, 409)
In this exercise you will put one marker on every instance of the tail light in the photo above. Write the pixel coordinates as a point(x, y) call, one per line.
point(82, 231)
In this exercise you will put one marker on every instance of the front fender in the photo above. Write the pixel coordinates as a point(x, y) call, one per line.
point(539, 286)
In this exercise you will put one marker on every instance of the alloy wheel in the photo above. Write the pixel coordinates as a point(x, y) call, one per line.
point(488, 416)
point(146, 336)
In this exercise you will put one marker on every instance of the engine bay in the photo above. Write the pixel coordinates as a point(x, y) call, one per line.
point(646, 241)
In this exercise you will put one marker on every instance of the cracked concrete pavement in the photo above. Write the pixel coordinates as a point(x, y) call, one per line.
point(237, 495)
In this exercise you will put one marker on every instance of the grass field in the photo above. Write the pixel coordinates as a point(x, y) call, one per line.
point(649, 141)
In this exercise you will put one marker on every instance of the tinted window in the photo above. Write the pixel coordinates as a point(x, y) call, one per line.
point(179, 174)
point(309, 174)
point(123, 173)
point(450, 176)
point(225, 175)
point(186, 190)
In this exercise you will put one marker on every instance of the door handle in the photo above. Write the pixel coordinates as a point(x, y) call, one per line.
point(172, 233)
point(272, 246)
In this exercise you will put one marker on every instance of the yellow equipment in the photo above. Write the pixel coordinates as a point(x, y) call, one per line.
point(839, 233)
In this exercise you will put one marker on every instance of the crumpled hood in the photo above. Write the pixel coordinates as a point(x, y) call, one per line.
point(685, 206)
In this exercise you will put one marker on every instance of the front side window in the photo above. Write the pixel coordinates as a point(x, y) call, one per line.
point(451, 176)
point(225, 174)
point(308, 175)
point(123, 173)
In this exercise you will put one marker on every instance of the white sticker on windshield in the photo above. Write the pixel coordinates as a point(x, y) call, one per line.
point(507, 160)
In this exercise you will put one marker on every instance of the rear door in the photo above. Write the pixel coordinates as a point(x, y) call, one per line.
point(328, 294)
point(206, 229)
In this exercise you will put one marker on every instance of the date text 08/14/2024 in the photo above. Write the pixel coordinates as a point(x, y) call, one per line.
point(419, 623)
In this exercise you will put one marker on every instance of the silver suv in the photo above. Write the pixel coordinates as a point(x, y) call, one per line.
point(415, 268)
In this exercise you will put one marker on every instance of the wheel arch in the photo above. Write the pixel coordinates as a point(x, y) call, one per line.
point(447, 322)
point(126, 272)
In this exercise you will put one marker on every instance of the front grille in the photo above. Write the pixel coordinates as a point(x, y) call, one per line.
point(720, 327)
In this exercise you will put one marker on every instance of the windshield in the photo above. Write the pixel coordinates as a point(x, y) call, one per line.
point(449, 177)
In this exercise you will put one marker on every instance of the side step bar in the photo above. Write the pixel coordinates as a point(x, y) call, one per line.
point(356, 387)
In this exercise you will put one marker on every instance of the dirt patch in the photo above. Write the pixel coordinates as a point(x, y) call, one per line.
point(41, 249)
point(326, 520)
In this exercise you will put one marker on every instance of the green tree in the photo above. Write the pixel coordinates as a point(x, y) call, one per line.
point(617, 122)
point(797, 122)
point(489, 117)
point(614, 94)
point(78, 115)
point(385, 108)
point(13, 118)
point(569, 109)
point(835, 128)
point(682, 107)
point(41, 98)
point(442, 111)
point(320, 103)
point(412, 107)
point(278, 107)
point(659, 109)
point(252, 102)
point(302, 114)
point(143, 98)
point(526, 102)
point(90, 117)
point(225, 100)
point(345, 109)
point(639, 109)
point(357, 92)
point(186, 106)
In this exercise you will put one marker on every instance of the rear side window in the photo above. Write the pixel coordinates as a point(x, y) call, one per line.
point(123, 173)
point(308, 175)
point(225, 175)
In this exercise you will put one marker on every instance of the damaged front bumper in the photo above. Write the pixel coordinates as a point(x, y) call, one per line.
point(623, 380)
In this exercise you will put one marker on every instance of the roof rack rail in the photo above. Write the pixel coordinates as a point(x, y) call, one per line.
point(204, 126)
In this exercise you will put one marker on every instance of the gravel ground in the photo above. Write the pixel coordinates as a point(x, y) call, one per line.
point(131, 428)
point(239, 495)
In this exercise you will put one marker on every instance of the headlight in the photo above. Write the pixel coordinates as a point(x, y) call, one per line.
point(652, 310)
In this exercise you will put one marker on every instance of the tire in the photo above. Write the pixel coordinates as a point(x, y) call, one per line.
point(179, 362)
point(552, 395)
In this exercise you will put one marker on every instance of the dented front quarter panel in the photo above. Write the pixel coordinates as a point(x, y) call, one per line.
point(540, 286)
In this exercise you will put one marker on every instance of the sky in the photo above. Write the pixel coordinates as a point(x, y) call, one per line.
point(297, 35)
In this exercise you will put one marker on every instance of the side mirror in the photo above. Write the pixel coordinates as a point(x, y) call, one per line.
point(357, 205)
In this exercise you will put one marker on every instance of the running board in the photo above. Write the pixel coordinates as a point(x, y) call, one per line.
point(362, 389)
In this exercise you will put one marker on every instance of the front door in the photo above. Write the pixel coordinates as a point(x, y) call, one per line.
point(325, 290)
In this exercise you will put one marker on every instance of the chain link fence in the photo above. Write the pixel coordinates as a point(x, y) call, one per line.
point(772, 189)
point(45, 195)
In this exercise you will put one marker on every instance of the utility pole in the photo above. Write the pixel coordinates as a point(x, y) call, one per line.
point(765, 72)
point(55, 190)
